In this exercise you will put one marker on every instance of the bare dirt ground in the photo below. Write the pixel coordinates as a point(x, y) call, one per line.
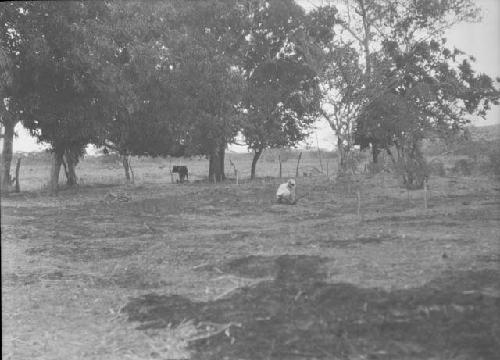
point(165, 271)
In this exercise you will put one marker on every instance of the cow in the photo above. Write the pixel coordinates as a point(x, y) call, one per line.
point(182, 171)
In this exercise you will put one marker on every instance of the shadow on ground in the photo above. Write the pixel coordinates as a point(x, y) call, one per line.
point(298, 315)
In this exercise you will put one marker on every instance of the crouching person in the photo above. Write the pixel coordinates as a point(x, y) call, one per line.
point(286, 193)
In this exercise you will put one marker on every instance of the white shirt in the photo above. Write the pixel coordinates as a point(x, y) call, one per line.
point(284, 190)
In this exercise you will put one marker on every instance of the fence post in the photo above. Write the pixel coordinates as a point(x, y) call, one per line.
point(18, 166)
point(425, 194)
point(319, 153)
point(298, 162)
point(358, 195)
point(279, 159)
point(131, 170)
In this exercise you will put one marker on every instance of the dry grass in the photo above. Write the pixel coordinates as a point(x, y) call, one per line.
point(93, 170)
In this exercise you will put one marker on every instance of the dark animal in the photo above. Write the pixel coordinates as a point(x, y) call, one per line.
point(182, 171)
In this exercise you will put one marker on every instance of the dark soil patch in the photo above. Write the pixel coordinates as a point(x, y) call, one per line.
point(133, 280)
point(483, 214)
point(298, 315)
point(415, 220)
point(331, 242)
point(82, 251)
point(13, 279)
point(254, 266)
point(491, 203)
point(401, 218)
point(449, 224)
point(491, 258)
point(232, 236)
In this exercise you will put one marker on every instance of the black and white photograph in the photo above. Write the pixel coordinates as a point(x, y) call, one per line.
point(250, 179)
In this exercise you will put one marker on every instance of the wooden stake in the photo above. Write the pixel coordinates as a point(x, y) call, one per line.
point(131, 170)
point(359, 202)
point(279, 159)
point(319, 153)
point(298, 162)
point(18, 167)
point(425, 194)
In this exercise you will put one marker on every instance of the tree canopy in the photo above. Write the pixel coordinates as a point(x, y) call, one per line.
point(282, 86)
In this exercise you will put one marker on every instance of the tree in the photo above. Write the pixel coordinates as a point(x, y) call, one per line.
point(283, 93)
point(342, 82)
point(212, 90)
point(10, 44)
point(366, 24)
point(136, 65)
point(209, 79)
point(428, 89)
point(279, 110)
point(55, 89)
point(345, 69)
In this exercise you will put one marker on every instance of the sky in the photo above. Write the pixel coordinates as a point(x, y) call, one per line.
point(479, 39)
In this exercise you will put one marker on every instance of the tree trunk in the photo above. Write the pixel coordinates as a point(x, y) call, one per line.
point(222, 155)
point(298, 164)
point(8, 141)
point(256, 157)
point(214, 166)
point(343, 156)
point(65, 168)
point(126, 166)
point(366, 39)
point(54, 172)
point(375, 152)
point(71, 180)
point(18, 168)
point(70, 160)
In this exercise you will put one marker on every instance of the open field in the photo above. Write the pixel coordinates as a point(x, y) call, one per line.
point(164, 271)
point(108, 170)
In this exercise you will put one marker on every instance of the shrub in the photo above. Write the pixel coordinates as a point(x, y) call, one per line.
point(375, 168)
point(412, 171)
point(436, 168)
point(286, 155)
point(492, 165)
point(269, 157)
point(110, 159)
point(463, 167)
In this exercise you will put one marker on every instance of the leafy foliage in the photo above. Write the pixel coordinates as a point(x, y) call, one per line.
point(137, 79)
point(55, 88)
point(282, 94)
point(428, 91)
point(418, 87)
